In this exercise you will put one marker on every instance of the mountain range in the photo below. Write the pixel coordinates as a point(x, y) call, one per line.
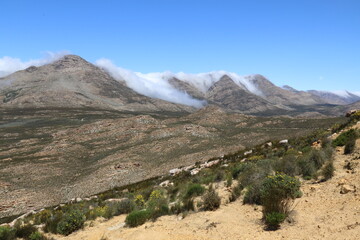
point(72, 82)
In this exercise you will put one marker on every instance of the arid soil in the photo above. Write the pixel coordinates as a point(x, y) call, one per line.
point(327, 210)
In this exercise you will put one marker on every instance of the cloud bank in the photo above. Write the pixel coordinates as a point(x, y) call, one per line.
point(9, 65)
point(152, 87)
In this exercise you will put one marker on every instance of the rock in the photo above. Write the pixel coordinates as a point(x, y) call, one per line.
point(347, 188)
point(195, 171)
point(225, 165)
point(175, 171)
point(285, 141)
point(248, 152)
point(166, 183)
point(268, 144)
point(114, 200)
point(342, 182)
point(78, 199)
point(351, 112)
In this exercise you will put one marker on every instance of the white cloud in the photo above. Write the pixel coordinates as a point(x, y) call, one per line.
point(9, 65)
point(155, 87)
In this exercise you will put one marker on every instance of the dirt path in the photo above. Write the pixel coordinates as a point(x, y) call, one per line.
point(322, 213)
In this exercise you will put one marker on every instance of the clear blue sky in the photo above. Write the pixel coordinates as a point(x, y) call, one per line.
point(308, 44)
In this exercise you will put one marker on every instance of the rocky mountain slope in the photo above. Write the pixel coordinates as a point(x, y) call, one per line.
point(72, 82)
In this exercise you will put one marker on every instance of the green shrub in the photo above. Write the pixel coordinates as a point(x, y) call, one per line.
point(350, 146)
point(317, 157)
point(211, 200)
point(99, 211)
point(176, 208)
point(328, 170)
point(252, 194)
point(52, 222)
point(194, 190)
point(124, 206)
point(274, 219)
point(229, 180)
point(7, 233)
point(236, 192)
point(288, 165)
point(277, 193)
point(37, 236)
point(188, 204)
point(42, 217)
point(24, 231)
point(71, 221)
point(344, 137)
point(157, 205)
point(137, 217)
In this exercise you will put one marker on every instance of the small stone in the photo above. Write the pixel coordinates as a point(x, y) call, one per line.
point(346, 189)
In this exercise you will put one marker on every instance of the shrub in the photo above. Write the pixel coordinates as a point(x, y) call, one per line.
point(188, 205)
point(7, 233)
point(194, 190)
point(139, 201)
point(124, 206)
point(317, 157)
point(52, 222)
point(274, 219)
point(288, 165)
point(277, 193)
point(229, 180)
point(71, 222)
point(137, 217)
point(211, 200)
point(344, 137)
point(328, 170)
point(97, 212)
point(37, 236)
point(24, 231)
point(236, 192)
point(350, 146)
point(252, 194)
point(157, 205)
point(42, 217)
point(176, 208)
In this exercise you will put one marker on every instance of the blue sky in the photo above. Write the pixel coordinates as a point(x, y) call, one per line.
point(306, 44)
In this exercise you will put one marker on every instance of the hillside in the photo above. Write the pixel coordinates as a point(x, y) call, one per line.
point(323, 212)
point(76, 153)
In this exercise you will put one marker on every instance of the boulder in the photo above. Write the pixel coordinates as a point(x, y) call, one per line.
point(347, 188)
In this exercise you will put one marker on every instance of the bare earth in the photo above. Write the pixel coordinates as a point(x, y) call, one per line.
point(322, 213)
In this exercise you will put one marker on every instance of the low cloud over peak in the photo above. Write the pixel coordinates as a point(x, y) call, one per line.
point(9, 65)
point(154, 87)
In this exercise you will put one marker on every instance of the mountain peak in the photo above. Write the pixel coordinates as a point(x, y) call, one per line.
point(69, 61)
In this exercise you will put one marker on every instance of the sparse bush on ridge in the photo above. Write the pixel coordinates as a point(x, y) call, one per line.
point(71, 221)
point(344, 137)
point(137, 217)
point(211, 200)
point(350, 146)
point(277, 193)
point(7, 233)
point(194, 190)
point(328, 170)
point(236, 192)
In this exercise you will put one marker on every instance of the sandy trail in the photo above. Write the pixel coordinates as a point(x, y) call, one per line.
point(322, 213)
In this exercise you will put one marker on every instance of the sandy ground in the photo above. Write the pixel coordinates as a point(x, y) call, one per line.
point(322, 213)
